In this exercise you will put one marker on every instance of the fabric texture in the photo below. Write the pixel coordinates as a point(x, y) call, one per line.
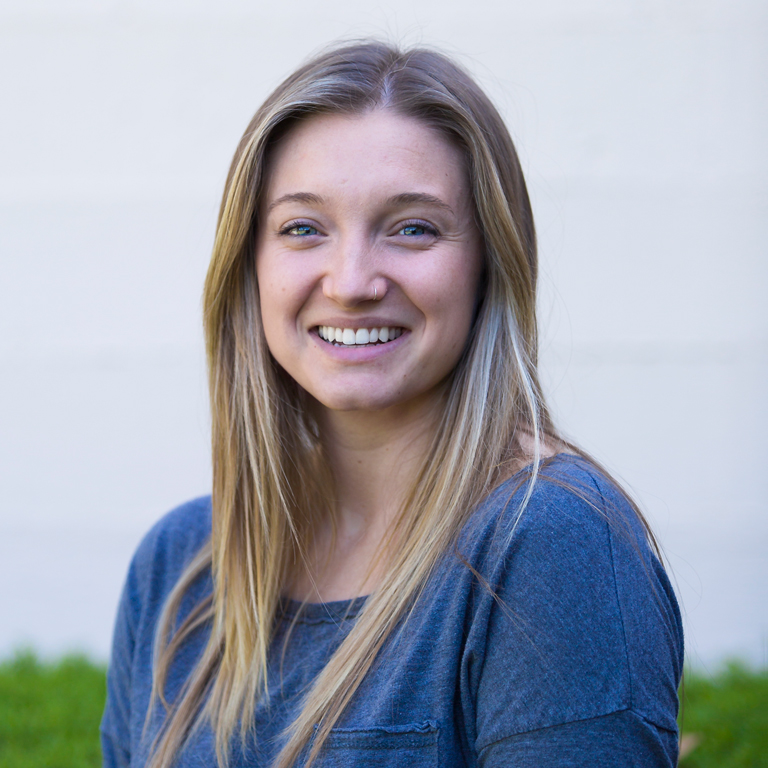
point(567, 651)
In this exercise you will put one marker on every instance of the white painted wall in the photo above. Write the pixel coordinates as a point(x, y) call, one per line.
point(642, 125)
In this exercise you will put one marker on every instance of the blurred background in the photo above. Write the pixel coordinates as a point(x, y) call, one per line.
point(642, 127)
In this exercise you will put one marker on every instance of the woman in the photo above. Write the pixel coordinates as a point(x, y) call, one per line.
point(402, 563)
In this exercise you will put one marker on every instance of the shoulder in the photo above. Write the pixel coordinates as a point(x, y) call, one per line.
point(556, 538)
point(579, 535)
point(571, 499)
point(575, 541)
point(165, 552)
point(161, 557)
point(179, 534)
point(577, 611)
point(176, 538)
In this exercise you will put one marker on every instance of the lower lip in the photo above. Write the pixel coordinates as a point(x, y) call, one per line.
point(361, 354)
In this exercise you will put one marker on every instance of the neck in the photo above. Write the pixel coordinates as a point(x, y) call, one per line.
point(374, 457)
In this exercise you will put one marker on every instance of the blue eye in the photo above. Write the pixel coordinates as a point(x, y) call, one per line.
point(417, 229)
point(299, 230)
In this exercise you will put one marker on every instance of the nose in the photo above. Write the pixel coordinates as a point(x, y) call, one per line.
point(352, 276)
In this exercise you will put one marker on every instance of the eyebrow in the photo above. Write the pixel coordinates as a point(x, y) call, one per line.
point(405, 198)
point(296, 197)
point(408, 198)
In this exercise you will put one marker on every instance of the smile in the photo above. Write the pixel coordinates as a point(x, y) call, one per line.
point(351, 337)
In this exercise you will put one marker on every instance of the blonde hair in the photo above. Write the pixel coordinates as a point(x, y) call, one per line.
point(271, 480)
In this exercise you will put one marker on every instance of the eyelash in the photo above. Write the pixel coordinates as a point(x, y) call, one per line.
point(286, 230)
point(417, 223)
point(428, 228)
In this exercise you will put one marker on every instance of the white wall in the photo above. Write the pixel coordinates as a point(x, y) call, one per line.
point(642, 125)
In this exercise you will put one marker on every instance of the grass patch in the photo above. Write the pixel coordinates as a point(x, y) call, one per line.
point(726, 717)
point(50, 712)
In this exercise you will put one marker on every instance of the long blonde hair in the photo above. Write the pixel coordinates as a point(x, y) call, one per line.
point(271, 480)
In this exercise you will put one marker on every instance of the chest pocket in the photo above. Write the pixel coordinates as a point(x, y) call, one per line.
point(397, 746)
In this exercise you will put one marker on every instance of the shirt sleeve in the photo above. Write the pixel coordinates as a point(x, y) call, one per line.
point(620, 740)
point(159, 561)
point(115, 724)
point(580, 650)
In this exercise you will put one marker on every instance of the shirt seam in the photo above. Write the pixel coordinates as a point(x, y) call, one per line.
point(618, 597)
point(314, 621)
point(617, 711)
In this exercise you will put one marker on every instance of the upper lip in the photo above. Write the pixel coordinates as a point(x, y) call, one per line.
point(360, 322)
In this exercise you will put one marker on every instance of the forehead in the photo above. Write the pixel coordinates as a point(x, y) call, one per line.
point(378, 152)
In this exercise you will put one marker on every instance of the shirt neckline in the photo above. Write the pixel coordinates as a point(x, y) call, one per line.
point(339, 610)
point(333, 611)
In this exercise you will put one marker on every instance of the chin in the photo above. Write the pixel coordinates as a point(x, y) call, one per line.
point(359, 401)
point(348, 404)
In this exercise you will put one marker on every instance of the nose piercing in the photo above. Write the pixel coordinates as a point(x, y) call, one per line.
point(375, 293)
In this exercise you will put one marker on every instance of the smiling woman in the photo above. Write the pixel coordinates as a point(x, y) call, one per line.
point(368, 226)
point(402, 561)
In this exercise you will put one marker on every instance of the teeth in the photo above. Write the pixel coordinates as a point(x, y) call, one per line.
point(358, 337)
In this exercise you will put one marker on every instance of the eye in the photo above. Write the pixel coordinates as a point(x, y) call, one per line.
point(417, 229)
point(299, 229)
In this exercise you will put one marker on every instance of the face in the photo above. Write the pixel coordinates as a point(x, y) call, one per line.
point(368, 259)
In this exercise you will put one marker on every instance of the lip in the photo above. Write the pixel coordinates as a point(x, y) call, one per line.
point(364, 321)
point(362, 354)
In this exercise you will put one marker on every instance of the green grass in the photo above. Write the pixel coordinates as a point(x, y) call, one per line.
point(50, 712)
point(727, 714)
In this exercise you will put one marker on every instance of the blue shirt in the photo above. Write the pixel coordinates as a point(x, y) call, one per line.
point(575, 661)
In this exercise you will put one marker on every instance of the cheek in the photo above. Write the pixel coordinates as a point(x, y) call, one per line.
point(283, 292)
point(280, 294)
point(449, 304)
point(275, 309)
point(460, 282)
point(267, 291)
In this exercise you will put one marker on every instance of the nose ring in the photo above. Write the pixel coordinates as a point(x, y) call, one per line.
point(375, 293)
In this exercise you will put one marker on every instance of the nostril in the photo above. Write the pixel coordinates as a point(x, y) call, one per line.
point(349, 288)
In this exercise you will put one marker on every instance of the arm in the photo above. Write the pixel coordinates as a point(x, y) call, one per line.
point(115, 724)
point(620, 740)
point(582, 651)
point(160, 559)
